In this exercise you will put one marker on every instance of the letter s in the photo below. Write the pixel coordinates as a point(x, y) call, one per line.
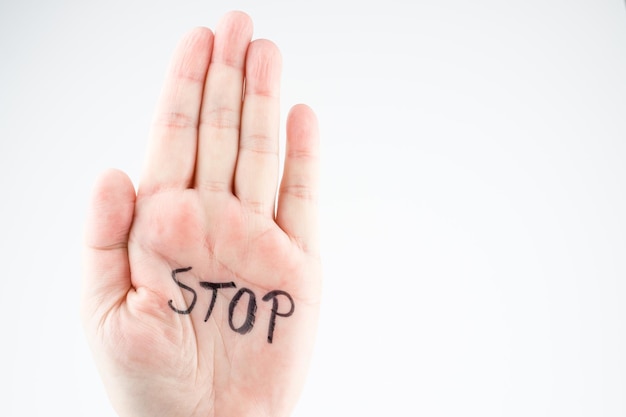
point(184, 287)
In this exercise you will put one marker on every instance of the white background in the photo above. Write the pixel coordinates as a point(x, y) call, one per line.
point(473, 208)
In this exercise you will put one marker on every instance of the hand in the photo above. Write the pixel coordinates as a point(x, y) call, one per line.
point(201, 299)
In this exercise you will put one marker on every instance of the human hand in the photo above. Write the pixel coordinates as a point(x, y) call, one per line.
point(199, 298)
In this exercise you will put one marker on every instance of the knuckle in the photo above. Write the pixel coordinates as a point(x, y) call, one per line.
point(259, 143)
point(221, 118)
point(175, 120)
point(299, 191)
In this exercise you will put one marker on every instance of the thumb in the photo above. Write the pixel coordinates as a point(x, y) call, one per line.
point(106, 267)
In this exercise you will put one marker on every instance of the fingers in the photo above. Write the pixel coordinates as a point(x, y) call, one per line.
point(221, 107)
point(256, 176)
point(172, 153)
point(297, 201)
point(109, 217)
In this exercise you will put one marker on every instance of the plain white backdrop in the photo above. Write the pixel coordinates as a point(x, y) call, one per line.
point(473, 207)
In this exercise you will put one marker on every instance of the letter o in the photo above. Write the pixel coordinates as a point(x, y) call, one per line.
point(250, 314)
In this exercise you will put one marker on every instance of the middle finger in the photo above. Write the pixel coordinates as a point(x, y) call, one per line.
point(220, 116)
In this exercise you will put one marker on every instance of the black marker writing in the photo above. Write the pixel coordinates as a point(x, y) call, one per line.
point(250, 314)
point(214, 286)
point(272, 295)
point(250, 311)
point(184, 287)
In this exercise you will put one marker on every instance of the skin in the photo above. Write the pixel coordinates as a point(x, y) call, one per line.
point(206, 200)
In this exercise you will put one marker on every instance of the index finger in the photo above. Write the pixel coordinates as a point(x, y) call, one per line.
point(174, 133)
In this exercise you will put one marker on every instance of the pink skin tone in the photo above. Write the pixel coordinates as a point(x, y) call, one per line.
point(207, 200)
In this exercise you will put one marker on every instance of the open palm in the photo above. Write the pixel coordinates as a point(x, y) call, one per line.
point(201, 296)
